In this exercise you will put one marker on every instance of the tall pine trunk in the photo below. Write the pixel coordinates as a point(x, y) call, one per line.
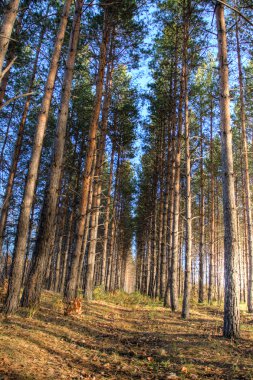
point(97, 182)
point(188, 213)
point(176, 185)
point(246, 173)
point(107, 222)
point(6, 30)
point(71, 288)
point(231, 328)
point(202, 221)
point(32, 290)
point(23, 223)
point(17, 148)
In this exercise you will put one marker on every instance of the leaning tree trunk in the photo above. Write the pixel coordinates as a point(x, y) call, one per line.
point(231, 328)
point(33, 287)
point(11, 56)
point(17, 149)
point(6, 30)
point(23, 223)
point(71, 288)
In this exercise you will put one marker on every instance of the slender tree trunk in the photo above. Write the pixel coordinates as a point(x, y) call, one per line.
point(188, 207)
point(32, 290)
point(202, 222)
point(107, 222)
point(6, 138)
point(10, 57)
point(17, 149)
point(231, 327)
point(212, 231)
point(176, 187)
point(71, 288)
point(246, 173)
point(23, 223)
point(66, 252)
point(6, 30)
point(172, 177)
point(97, 182)
point(87, 233)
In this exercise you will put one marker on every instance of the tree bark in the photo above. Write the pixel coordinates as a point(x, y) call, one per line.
point(32, 290)
point(6, 30)
point(107, 222)
point(97, 182)
point(17, 148)
point(212, 230)
point(231, 328)
point(246, 173)
point(202, 222)
point(71, 288)
point(23, 223)
point(176, 187)
point(188, 216)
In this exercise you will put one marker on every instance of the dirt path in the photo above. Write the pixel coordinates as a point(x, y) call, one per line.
point(114, 342)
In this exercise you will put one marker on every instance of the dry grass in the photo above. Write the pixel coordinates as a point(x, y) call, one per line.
point(116, 340)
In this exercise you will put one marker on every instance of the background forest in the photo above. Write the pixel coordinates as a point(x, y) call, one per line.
point(126, 147)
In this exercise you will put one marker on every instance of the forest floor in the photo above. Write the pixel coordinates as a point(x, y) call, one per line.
point(122, 337)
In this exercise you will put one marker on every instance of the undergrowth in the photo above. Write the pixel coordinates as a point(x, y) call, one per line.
point(119, 297)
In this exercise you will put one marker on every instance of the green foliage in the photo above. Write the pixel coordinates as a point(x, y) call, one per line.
point(119, 297)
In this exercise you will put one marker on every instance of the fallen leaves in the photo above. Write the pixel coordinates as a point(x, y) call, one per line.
point(112, 342)
point(172, 376)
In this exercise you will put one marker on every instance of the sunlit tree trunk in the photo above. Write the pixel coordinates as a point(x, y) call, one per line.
point(23, 223)
point(188, 212)
point(212, 230)
point(97, 182)
point(107, 222)
point(17, 148)
point(6, 30)
point(246, 173)
point(71, 288)
point(231, 327)
point(176, 186)
point(34, 282)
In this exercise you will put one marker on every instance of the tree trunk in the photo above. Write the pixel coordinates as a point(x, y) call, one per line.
point(23, 223)
point(32, 290)
point(176, 190)
point(202, 222)
point(6, 30)
point(17, 149)
point(231, 328)
point(212, 230)
point(71, 288)
point(107, 222)
point(246, 174)
point(188, 216)
point(97, 182)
